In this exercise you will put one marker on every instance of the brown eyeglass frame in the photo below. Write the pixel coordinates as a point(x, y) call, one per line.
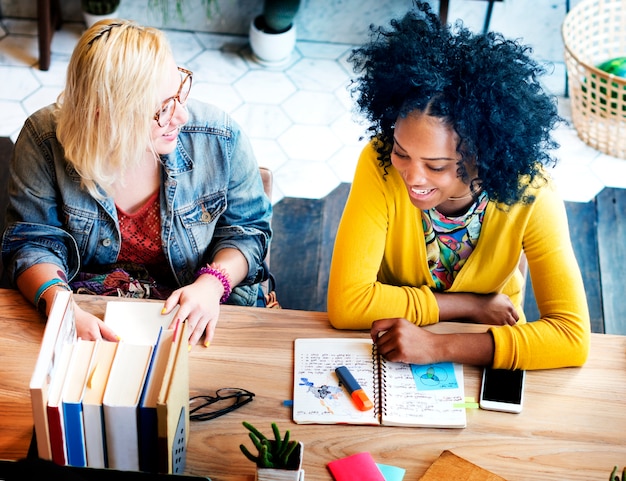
point(176, 98)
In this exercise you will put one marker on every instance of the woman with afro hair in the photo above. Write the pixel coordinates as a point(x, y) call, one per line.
point(449, 194)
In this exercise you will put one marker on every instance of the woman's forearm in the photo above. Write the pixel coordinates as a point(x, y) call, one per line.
point(495, 309)
point(33, 279)
point(456, 306)
point(476, 349)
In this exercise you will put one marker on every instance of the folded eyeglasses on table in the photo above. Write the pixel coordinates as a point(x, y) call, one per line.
point(204, 407)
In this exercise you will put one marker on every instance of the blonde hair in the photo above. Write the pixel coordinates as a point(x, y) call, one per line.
point(106, 110)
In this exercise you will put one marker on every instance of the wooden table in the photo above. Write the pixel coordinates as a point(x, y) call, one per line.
point(573, 426)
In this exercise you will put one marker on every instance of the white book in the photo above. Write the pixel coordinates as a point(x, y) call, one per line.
point(60, 330)
point(120, 403)
point(138, 322)
point(93, 413)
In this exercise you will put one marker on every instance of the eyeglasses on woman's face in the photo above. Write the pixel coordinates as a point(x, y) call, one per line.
point(166, 112)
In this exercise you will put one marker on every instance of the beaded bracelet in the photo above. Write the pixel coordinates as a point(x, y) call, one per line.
point(47, 285)
point(222, 276)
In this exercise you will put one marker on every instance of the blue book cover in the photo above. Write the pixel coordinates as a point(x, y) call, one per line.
point(147, 413)
point(74, 437)
point(73, 391)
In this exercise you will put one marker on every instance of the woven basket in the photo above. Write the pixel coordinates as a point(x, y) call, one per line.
point(595, 31)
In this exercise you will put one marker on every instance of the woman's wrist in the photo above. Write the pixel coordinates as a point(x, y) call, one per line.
point(221, 275)
point(454, 306)
point(467, 348)
point(50, 286)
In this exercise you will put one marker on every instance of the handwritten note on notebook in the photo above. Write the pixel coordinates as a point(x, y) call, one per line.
point(403, 394)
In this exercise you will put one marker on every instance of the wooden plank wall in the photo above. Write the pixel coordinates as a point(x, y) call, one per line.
point(611, 212)
point(301, 250)
point(583, 232)
point(598, 232)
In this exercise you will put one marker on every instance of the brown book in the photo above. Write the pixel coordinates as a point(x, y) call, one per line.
point(450, 467)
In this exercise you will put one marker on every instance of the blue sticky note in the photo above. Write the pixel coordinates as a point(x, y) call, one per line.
point(391, 473)
point(429, 377)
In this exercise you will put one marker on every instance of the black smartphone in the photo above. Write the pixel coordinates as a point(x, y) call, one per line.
point(502, 390)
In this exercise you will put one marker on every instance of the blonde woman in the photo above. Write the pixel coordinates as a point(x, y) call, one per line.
point(127, 187)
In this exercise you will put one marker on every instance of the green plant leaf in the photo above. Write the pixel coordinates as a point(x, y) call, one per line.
point(248, 454)
point(272, 453)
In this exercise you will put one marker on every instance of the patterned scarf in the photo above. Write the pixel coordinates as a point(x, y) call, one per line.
point(450, 240)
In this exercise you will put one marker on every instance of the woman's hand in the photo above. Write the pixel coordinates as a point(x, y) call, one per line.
point(398, 340)
point(199, 306)
point(200, 302)
point(90, 327)
point(495, 309)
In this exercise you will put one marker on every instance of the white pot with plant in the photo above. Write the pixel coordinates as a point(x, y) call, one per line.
point(278, 459)
point(168, 9)
point(273, 33)
point(96, 10)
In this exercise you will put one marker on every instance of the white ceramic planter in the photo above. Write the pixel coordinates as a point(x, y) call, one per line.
point(91, 19)
point(271, 49)
point(269, 474)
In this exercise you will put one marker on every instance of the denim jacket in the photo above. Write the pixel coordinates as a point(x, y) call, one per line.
point(211, 198)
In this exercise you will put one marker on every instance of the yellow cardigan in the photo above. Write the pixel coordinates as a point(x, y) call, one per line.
point(379, 269)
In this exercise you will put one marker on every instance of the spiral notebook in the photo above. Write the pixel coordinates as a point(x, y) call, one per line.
point(429, 395)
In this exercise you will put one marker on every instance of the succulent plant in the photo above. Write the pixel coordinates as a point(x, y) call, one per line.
point(279, 14)
point(272, 453)
point(100, 7)
point(164, 8)
point(615, 476)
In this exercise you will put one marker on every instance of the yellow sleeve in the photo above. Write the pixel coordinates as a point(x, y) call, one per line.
point(379, 254)
point(561, 336)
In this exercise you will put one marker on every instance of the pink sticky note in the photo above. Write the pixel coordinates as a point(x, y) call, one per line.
point(357, 467)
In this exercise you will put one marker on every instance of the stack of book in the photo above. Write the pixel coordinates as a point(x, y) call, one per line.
point(121, 405)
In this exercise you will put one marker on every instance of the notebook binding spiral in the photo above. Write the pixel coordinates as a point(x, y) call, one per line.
point(379, 383)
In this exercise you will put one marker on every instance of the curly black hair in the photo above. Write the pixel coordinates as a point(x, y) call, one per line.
point(484, 86)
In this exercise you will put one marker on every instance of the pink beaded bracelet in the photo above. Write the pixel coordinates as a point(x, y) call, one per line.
point(222, 276)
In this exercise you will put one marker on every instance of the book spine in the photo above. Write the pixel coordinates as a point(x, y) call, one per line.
point(57, 438)
point(74, 434)
point(148, 439)
point(38, 397)
point(121, 437)
point(95, 443)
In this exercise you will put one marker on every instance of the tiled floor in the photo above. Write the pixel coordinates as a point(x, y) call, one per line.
point(299, 117)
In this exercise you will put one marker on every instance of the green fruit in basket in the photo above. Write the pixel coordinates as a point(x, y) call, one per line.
point(616, 66)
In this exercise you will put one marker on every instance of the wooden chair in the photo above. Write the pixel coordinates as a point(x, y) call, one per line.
point(443, 16)
point(523, 268)
point(443, 13)
point(6, 151)
point(268, 183)
point(268, 285)
point(48, 20)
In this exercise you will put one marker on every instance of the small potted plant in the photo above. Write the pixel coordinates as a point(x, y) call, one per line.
point(278, 459)
point(273, 33)
point(95, 10)
point(615, 475)
point(164, 9)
